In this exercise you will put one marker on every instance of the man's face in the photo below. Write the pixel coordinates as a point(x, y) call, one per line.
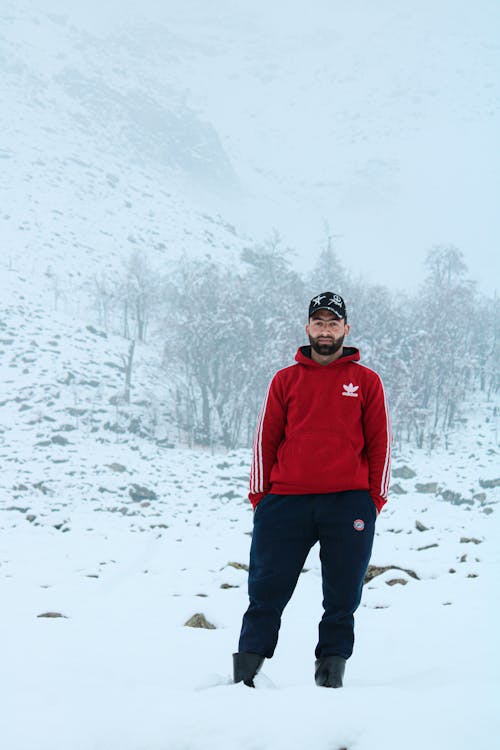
point(326, 332)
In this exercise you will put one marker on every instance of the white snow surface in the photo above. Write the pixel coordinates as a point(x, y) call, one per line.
point(121, 670)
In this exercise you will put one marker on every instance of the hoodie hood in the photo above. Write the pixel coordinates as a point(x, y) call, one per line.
point(349, 354)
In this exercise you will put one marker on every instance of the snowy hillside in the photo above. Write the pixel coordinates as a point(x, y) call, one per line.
point(111, 542)
point(180, 126)
point(96, 160)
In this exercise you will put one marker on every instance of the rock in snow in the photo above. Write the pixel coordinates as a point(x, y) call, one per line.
point(199, 620)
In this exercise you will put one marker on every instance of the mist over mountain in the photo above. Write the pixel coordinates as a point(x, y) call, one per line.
point(131, 123)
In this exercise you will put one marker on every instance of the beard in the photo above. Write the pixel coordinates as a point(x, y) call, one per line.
point(326, 349)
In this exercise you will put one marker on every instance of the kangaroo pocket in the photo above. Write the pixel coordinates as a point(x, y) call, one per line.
point(317, 461)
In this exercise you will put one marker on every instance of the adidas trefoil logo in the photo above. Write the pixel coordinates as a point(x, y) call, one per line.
point(350, 390)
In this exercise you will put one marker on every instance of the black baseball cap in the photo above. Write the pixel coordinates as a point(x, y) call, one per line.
point(328, 301)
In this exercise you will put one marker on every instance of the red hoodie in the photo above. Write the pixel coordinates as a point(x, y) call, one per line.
point(322, 428)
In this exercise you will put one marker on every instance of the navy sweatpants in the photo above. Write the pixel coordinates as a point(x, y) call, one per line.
point(285, 529)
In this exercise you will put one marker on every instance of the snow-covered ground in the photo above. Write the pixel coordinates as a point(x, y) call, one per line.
point(127, 541)
point(121, 669)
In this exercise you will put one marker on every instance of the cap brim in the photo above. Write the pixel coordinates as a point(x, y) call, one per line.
point(324, 307)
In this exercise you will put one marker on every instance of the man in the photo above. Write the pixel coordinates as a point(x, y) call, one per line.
point(320, 472)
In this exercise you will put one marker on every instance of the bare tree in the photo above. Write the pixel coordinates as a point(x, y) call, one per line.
point(127, 369)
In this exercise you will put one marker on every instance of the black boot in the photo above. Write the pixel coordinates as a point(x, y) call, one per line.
point(246, 666)
point(329, 671)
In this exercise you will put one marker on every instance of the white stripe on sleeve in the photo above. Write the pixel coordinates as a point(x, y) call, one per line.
point(384, 486)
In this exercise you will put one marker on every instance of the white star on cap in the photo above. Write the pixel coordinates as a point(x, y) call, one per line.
point(317, 300)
